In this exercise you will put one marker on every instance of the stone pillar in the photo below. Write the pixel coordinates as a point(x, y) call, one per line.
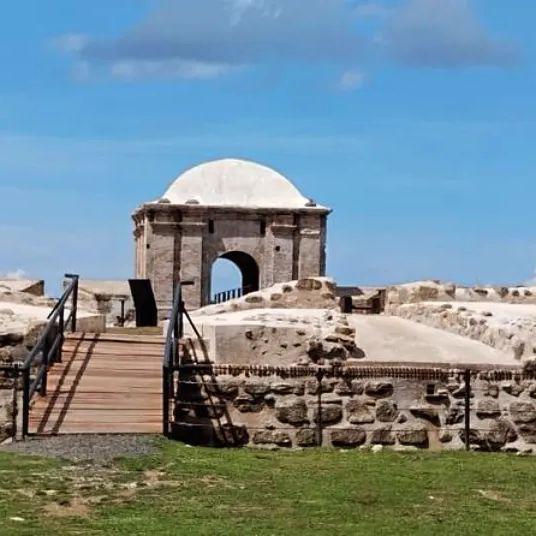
point(311, 260)
point(282, 251)
point(163, 261)
point(192, 266)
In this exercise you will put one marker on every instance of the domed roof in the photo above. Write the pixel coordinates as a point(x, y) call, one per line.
point(237, 183)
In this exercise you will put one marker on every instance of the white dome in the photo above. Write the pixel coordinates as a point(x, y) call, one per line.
point(236, 183)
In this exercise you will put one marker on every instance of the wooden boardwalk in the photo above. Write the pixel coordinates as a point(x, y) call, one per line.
point(106, 383)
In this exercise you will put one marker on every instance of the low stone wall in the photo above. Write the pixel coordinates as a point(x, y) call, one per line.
point(349, 407)
point(104, 297)
point(517, 337)
point(419, 291)
point(8, 412)
point(281, 337)
point(308, 293)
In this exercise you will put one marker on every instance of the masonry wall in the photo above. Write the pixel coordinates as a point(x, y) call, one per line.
point(183, 241)
point(356, 406)
point(7, 402)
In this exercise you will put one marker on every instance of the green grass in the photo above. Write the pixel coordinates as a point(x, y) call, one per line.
point(193, 491)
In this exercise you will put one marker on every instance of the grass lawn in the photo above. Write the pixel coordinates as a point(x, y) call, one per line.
point(190, 491)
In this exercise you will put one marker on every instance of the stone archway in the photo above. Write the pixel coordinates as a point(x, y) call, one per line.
point(248, 268)
point(224, 209)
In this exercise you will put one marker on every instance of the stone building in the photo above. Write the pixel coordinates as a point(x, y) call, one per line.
point(233, 209)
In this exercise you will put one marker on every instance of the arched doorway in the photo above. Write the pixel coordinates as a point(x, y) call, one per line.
point(222, 276)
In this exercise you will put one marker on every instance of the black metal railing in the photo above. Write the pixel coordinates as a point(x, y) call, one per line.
point(172, 353)
point(226, 295)
point(48, 348)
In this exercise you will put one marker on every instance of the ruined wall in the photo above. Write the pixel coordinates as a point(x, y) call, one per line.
point(517, 336)
point(183, 241)
point(419, 291)
point(351, 407)
point(7, 402)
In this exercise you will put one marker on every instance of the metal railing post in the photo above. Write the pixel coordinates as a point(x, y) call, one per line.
point(25, 401)
point(45, 359)
point(165, 401)
point(75, 304)
point(61, 328)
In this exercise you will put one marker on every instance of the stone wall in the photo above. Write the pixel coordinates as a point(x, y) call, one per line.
point(7, 402)
point(183, 241)
point(306, 293)
point(349, 407)
point(419, 291)
point(517, 336)
point(104, 297)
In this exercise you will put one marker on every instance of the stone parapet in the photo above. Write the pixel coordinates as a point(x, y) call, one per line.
point(348, 407)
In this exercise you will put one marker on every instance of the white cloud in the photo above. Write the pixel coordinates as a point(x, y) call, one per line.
point(443, 33)
point(351, 80)
point(18, 274)
point(174, 68)
point(206, 39)
point(71, 43)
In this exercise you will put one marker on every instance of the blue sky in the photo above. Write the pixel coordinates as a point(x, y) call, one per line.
point(414, 120)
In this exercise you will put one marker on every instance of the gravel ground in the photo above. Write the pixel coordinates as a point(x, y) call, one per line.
point(99, 448)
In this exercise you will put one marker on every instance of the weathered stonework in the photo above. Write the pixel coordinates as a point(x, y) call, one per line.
point(401, 408)
point(272, 238)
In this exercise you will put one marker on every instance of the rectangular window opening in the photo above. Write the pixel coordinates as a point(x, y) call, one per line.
point(211, 226)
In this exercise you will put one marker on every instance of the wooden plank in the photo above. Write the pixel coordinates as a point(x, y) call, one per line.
point(105, 383)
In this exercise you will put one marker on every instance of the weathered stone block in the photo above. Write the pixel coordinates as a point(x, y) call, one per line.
point(522, 412)
point(248, 404)
point(488, 409)
point(330, 414)
point(386, 411)
point(291, 410)
point(358, 413)
point(282, 388)
point(348, 438)
point(225, 386)
point(379, 389)
point(358, 387)
point(256, 387)
point(306, 437)
point(274, 437)
point(513, 388)
point(309, 284)
point(343, 388)
point(382, 436)
point(416, 436)
point(500, 432)
point(454, 415)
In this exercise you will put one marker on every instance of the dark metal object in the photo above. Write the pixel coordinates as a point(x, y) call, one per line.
point(122, 317)
point(172, 359)
point(226, 295)
point(346, 304)
point(48, 349)
point(144, 302)
point(467, 404)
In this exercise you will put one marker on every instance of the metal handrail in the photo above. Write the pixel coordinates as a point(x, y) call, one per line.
point(226, 295)
point(48, 351)
point(175, 332)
